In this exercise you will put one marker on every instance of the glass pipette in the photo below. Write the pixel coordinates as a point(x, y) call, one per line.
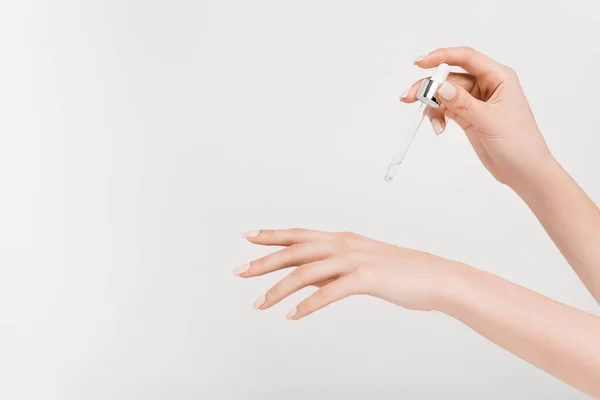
point(410, 135)
point(426, 96)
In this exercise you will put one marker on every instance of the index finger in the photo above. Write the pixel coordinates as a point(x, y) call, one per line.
point(285, 237)
point(472, 61)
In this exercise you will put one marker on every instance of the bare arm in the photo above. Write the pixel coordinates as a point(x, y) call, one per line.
point(554, 337)
point(559, 339)
point(569, 216)
point(489, 105)
point(491, 108)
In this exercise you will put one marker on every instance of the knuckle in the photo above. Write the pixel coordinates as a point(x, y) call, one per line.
point(449, 114)
point(468, 51)
point(445, 52)
point(506, 73)
point(463, 101)
point(288, 256)
point(294, 250)
point(347, 237)
point(296, 231)
point(300, 273)
point(512, 72)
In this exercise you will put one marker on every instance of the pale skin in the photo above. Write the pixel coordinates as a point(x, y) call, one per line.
point(488, 104)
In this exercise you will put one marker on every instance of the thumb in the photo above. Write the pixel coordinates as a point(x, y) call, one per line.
point(459, 101)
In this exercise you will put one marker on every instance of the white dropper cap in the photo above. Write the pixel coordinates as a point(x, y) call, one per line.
point(441, 73)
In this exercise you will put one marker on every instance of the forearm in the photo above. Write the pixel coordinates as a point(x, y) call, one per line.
point(569, 217)
point(557, 338)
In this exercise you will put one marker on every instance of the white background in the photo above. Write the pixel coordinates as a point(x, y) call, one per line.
point(140, 137)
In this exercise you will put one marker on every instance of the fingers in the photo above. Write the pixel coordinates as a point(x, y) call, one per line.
point(462, 122)
point(292, 256)
point(465, 80)
point(284, 237)
point(460, 102)
point(409, 95)
point(467, 58)
point(456, 108)
point(459, 94)
point(437, 119)
point(313, 252)
point(337, 290)
point(306, 275)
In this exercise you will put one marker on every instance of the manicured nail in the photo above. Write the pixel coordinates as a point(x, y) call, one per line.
point(292, 314)
point(405, 93)
point(241, 269)
point(447, 91)
point(436, 125)
point(249, 234)
point(421, 57)
point(259, 302)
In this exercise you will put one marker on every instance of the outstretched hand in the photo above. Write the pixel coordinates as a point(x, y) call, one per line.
point(345, 264)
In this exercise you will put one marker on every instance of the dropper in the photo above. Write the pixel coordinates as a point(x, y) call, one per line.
point(426, 95)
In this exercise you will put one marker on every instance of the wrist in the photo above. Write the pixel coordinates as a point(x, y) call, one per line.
point(452, 285)
point(529, 180)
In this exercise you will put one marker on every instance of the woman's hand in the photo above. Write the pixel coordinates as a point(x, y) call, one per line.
point(343, 264)
point(556, 338)
point(490, 106)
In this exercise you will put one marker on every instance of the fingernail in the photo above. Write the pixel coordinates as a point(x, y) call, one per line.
point(291, 314)
point(447, 91)
point(249, 234)
point(241, 269)
point(421, 57)
point(259, 302)
point(405, 93)
point(436, 125)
